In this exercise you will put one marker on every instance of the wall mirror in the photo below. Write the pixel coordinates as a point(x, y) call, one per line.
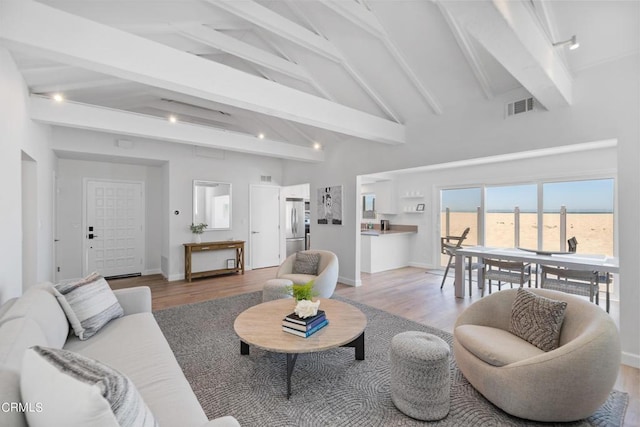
point(369, 206)
point(212, 204)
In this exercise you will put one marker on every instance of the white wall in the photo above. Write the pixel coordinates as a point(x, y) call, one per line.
point(174, 181)
point(19, 134)
point(71, 175)
point(606, 106)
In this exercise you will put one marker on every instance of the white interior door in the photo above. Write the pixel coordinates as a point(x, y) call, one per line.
point(264, 226)
point(114, 228)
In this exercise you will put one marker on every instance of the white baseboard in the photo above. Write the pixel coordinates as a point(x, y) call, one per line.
point(421, 265)
point(349, 282)
point(150, 272)
point(631, 359)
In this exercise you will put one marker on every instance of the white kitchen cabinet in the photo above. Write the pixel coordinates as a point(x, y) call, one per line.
point(297, 191)
point(385, 251)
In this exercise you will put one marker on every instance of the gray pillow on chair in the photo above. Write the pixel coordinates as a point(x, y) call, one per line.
point(306, 263)
point(537, 320)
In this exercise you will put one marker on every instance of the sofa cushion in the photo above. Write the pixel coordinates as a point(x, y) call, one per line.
point(537, 319)
point(73, 390)
point(135, 346)
point(89, 304)
point(39, 304)
point(16, 336)
point(306, 263)
point(494, 346)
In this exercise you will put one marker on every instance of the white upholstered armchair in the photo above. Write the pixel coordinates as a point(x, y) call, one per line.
point(324, 282)
point(565, 384)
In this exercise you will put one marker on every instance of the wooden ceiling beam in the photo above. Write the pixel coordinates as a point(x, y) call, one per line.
point(66, 87)
point(38, 29)
point(469, 52)
point(367, 20)
point(265, 18)
point(235, 47)
point(509, 31)
point(81, 116)
point(351, 70)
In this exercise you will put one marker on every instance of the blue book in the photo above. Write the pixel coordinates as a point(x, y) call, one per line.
point(309, 332)
point(304, 328)
point(303, 320)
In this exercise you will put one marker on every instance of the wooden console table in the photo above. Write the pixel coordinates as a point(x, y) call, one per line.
point(189, 248)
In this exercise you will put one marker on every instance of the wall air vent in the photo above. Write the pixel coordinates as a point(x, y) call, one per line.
point(522, 106)
point(265, 178)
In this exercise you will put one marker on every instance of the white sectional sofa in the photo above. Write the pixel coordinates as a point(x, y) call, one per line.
point(132, 344)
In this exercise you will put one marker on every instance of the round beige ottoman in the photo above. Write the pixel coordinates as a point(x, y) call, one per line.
point(420, 382)
point(276, 289)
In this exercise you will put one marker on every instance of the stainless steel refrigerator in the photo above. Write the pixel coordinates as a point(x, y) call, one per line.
point(295, 225)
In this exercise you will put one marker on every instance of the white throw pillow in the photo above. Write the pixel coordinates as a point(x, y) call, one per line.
point(67, 389)
point(89, 304)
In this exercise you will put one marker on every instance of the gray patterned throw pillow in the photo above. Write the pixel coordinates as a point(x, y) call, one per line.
point(89, 304)
point(306, 263)
point(537, 320)
point(74, 390)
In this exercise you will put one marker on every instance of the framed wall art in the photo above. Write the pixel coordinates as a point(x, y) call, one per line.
point(330, 205)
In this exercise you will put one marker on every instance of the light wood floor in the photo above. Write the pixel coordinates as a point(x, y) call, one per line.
point(413, 293)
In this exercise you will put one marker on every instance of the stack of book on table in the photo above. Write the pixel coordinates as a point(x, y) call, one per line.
point(306, 327)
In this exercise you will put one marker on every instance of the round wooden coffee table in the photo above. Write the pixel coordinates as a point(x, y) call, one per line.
point(261, 326)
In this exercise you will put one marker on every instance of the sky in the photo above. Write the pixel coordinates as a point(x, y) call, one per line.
point(577, 196)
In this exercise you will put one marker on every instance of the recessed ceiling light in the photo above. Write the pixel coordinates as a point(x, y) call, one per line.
point(173, 119)
point(317, 145)
point(261, 135)
point(58, 97)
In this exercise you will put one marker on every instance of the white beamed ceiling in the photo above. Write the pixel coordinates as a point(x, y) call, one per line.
point(302, 72)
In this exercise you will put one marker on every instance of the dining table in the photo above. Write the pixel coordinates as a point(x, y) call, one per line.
point(589, 262)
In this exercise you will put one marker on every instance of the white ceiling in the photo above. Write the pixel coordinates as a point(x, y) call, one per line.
point(393, 60)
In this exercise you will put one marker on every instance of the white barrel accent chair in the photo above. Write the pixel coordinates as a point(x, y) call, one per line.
point(324, 282)
point(565, 384)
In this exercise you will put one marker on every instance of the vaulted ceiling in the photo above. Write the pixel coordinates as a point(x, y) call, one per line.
point(276, 77)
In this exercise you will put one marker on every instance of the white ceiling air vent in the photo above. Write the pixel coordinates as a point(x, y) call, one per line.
point(265, 178)
point(522, 106)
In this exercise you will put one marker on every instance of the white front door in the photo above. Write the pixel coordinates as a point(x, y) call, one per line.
point(114, 228)
point(264, 227)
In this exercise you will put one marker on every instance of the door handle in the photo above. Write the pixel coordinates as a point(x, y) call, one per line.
point(295, 221)
point(255, 232)
point(92, 236)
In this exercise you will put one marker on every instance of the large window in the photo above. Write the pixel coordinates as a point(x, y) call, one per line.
point(511, 218)
point(581, 209)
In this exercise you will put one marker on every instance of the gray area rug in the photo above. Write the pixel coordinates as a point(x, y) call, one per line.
point(329, 388)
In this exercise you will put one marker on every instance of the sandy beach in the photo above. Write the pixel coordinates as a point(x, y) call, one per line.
point(594, 231)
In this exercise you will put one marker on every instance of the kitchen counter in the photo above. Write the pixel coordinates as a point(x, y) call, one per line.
point(385, 250)
point(385, 232)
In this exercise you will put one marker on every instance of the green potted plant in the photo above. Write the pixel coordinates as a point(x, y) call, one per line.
point(197, 230)
point(303, 294)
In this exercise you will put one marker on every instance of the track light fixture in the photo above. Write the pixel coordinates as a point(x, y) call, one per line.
point(572, 43)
